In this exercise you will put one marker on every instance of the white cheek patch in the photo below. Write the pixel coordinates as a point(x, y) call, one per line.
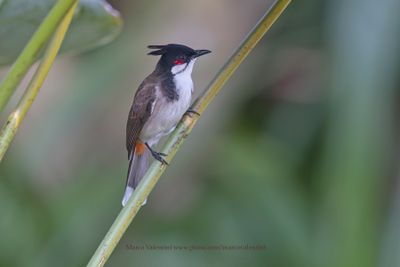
point(189, 68)
point(183, 80)
point(178, 68)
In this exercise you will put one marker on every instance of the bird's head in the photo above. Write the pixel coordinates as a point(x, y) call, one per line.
point(176, 58)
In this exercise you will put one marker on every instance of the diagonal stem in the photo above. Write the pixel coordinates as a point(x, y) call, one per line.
point(32, 49)
point(14, 120)
point(183, 129)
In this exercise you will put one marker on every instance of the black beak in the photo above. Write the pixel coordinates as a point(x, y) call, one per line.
point(200, 52)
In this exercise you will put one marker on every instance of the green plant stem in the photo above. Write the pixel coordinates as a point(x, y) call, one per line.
point(183, 129)
point(14, 120)
point(32, 49)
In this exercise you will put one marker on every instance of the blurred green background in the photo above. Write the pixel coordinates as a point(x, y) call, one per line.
point(298, 153)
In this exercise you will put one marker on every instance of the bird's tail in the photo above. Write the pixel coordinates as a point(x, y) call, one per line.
point(138, 165)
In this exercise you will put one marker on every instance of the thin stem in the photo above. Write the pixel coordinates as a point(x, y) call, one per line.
point(32, 49)
point(14, 120)
point(183, 129)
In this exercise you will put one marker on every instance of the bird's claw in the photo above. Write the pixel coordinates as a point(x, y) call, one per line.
point(158, 155)
point(191, 111)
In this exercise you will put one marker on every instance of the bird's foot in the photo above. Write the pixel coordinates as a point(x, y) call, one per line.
point(191, 111)
point(158, 155)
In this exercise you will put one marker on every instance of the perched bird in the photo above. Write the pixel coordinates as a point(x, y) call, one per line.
point(159, 103)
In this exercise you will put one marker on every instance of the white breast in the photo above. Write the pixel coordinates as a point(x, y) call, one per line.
point(167, 113)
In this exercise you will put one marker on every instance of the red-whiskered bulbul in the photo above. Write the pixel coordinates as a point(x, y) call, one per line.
point(159, 103)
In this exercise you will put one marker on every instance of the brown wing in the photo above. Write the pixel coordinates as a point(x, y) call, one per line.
point(140, 112)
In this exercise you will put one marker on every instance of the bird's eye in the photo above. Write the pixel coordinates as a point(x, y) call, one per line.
point(179, 61)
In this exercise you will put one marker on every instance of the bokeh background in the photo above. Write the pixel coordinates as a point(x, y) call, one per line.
point(298, 154)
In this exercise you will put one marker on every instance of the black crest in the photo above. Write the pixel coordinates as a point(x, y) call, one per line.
point(172, 49)
point(157, 52)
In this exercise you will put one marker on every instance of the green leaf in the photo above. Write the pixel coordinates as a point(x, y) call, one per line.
point(95, 23)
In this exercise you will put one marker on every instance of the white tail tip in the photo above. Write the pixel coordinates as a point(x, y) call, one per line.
point(127, 196)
